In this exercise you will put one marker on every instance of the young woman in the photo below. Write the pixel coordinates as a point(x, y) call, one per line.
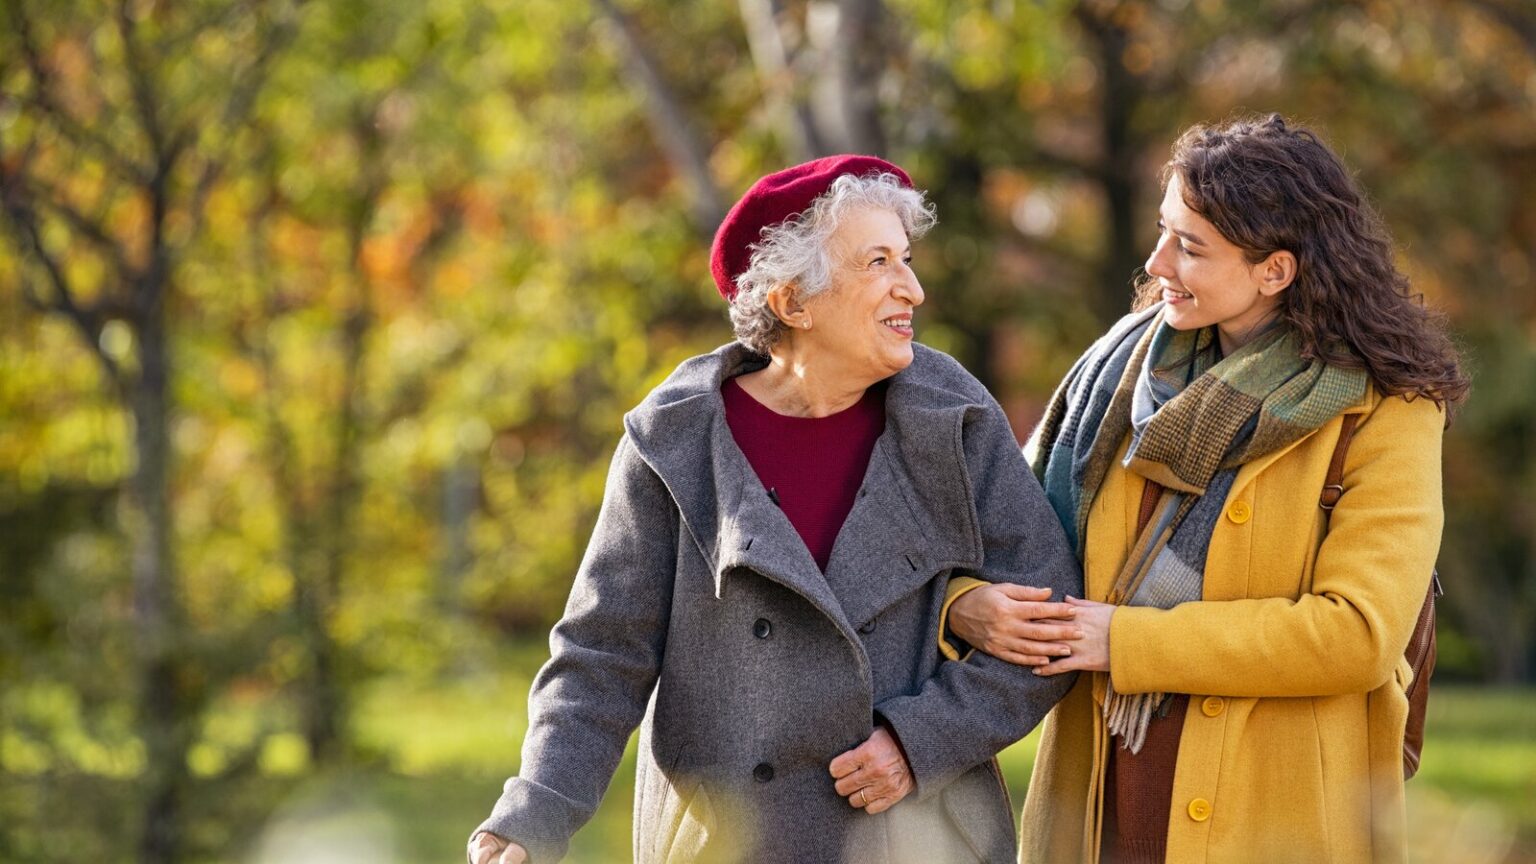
point(1247, 701)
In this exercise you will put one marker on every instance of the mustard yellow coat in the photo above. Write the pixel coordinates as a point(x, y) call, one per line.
point(1292, 747)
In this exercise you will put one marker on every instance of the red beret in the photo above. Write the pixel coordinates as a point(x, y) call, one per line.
point(775, 198)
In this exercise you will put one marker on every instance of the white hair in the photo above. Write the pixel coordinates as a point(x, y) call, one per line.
point(795, 251)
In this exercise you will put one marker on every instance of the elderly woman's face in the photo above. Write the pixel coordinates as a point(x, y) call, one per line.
point(864, 319)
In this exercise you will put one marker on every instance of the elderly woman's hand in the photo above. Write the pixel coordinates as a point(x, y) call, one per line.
point(488, 848)
point(874, 775)
point(1014, 623)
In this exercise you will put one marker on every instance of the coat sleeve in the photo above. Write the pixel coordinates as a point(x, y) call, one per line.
point(1368, 584)
point(968, 711)
point(605, 655)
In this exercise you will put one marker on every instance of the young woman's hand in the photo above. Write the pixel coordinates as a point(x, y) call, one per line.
point(488, 848)
point(1014, 623)
point(1090, 651)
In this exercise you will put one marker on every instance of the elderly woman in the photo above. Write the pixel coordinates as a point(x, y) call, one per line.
point(764, 582)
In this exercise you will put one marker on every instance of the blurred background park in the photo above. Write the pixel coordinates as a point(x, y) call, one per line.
point(318, 319)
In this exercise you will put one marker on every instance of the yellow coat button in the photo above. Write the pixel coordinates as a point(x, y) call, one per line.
point(1199, 809)
point(1212, 706)
point(1240, 512)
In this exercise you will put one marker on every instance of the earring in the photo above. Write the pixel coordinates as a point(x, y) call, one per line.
point(807, 324)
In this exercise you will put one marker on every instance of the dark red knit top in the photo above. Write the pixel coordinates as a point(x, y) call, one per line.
point(813, 465)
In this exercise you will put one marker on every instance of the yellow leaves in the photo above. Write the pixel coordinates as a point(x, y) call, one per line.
point(384, 258)
point(239, 378)
point(272, 589)
point(207, 760)
point(472, 436)
point(57, 424)
point(70, 61)
point(49, 732)
point(454, 279)
point(979, 50)
point(23, 755)
point(284, 754)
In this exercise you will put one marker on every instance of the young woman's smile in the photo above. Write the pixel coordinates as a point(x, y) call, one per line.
point(1208, 280)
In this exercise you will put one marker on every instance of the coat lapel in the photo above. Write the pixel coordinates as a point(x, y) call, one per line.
point(903, 530)
point(757, 536)
point(680, 431)
point(914, 515)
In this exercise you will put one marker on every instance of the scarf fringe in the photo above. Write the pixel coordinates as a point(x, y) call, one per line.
point(1129, 715)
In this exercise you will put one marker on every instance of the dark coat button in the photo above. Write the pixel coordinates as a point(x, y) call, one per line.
point(763, 772)
point(762, 628)
point(867, 627)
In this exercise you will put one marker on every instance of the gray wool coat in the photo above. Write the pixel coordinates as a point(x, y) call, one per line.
point(699, 614)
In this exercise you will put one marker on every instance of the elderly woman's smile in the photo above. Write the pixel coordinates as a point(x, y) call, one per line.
point(901, 324)
point(863, 321)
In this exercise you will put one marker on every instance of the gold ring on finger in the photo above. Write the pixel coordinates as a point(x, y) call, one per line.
point(862, 800)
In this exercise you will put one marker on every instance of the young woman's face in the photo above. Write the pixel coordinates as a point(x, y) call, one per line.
point(1205, 279)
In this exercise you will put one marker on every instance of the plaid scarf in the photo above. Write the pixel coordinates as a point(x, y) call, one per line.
point(1194, 419)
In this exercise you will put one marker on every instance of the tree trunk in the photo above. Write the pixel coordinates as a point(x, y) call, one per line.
point(686, 151)
point(776, 73)
point(328, 706)
point(852, 49)
point(1119, 98)
point(461, 488)
point(858, 63)
point(162, 703)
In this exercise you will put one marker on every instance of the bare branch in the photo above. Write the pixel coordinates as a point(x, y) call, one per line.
point(24, 225)
point(669, 122)
point(237, 111)
point(765, 39)
point(143, 89)
point(91, 230)
point(282, 452)
point(46, 103)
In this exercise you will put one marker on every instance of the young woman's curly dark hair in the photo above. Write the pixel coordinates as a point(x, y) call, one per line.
point(1267, 185)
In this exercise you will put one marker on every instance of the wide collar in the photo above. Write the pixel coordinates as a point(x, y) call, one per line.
point(914, 514)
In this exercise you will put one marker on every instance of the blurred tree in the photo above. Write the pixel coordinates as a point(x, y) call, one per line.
point(113, 147)
point(410, 263)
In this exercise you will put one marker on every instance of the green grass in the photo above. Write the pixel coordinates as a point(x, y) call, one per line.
point(431, 757)
point(1474, 798)
point(449, 746)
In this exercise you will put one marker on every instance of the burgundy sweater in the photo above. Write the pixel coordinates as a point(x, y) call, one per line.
point(813, 466)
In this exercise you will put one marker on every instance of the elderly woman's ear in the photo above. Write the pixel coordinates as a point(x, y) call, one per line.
point(786, 305)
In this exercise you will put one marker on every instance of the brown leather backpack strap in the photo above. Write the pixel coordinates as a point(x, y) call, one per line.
point(1333, 486)
point(1421, 656)
point(1420, 652)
